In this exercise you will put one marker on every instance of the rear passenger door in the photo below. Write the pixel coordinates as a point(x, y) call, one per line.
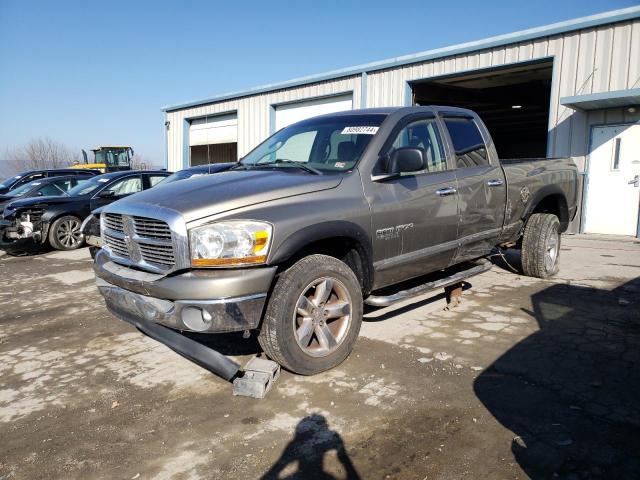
point(481, 187)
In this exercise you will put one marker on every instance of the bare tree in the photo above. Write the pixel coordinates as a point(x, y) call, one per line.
point(140, 162)
point(41, 153)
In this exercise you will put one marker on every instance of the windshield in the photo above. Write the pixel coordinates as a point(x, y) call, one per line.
point(7, 182)
point(22, 189)
point(112, 157)
point(332, 144)
point(88, 186)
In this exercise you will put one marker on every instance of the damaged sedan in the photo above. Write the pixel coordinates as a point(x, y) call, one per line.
point(29, 224)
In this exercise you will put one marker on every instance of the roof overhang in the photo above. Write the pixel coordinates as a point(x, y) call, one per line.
point(599, 101)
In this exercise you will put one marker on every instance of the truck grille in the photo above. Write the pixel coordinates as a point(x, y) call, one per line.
point(114, 222)
point(140, 241)
point(147, 227)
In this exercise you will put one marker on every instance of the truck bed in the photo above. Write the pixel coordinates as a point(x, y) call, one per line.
point(531, 179)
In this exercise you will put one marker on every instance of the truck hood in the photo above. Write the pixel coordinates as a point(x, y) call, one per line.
point(208, 195)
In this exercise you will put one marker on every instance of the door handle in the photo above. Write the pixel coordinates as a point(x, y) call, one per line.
point(495, 183)
point(636, 181)
point(443, 192)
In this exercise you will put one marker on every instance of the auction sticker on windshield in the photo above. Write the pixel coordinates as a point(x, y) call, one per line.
point(359, 130)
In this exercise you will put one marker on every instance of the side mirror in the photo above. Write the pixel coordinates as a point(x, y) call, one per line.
point(107, 194)
point(406, 159)
point(39, 194)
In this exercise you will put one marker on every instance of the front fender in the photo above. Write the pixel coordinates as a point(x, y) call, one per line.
point(321, 231)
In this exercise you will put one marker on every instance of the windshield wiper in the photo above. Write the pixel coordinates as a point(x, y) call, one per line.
point(240, 166)
point(300, 165)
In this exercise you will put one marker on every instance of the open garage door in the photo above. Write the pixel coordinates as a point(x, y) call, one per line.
point(512, 101)
point(213, 139)
point(294, 112)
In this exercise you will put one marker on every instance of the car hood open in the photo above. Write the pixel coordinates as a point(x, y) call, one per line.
point(204, 196)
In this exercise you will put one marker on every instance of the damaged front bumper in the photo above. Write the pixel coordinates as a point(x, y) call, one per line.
point(17, 236)
point(207, 301)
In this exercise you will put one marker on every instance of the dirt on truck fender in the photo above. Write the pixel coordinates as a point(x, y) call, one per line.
point(328, 214)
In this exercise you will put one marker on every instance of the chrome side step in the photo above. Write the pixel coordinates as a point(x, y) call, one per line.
point(477, 268)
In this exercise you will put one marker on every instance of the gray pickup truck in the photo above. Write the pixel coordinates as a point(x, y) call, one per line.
point(325, 215)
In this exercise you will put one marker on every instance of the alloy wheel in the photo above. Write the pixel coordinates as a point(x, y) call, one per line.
point(322, 317)
point(69, 234)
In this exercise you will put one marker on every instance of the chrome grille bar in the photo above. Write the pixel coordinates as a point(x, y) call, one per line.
point(139, 241)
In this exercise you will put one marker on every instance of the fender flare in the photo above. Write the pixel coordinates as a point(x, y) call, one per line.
point(540, 195)
point(323, 231)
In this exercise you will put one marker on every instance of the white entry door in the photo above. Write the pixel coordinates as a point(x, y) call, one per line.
point(613, 194)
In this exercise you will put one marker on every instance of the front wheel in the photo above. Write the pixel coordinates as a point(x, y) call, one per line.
point(314, 315)
point(541, 245)
point(65, 233)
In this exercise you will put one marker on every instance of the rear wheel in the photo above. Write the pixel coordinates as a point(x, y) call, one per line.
point(314, 315)
point(65, 233)
point(541, 245)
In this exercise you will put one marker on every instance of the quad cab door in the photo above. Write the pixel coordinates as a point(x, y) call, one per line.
point(613, 192)
point(414, 215)
point(482, 189)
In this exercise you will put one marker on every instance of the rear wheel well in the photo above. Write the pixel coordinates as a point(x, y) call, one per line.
point(556, 205)
point(345, 249)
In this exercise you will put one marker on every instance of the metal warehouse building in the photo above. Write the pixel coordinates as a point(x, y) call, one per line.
point(566, 89)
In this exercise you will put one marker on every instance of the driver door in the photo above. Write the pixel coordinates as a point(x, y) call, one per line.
point(415, 215)
point(120, 188)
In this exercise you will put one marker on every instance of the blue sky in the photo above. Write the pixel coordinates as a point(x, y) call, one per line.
point(89, 73)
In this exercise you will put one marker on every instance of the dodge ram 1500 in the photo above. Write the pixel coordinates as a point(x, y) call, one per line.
point(322, 216)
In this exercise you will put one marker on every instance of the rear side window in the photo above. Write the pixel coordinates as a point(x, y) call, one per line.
point(155, 179)
point(467, 142)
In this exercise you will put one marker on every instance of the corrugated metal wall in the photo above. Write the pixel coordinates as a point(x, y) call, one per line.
point(253, 114)
point(585, 61)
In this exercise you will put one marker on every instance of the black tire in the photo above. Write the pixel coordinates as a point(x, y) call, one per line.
point(65, 234)
point(541, 245)
point(280, 339)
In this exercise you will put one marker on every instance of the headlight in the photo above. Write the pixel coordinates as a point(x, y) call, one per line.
point(233, 242)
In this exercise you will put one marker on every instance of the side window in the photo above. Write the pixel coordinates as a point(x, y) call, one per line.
point(126, 186)
point(424, 134)
point(297, 147)
point(155, 179)
point(467, 142)
point(65, 185)
point(30, 178)
point(50, 190)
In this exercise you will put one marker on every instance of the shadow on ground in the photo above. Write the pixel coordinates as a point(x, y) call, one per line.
point(304, 455)
point(571, 391)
